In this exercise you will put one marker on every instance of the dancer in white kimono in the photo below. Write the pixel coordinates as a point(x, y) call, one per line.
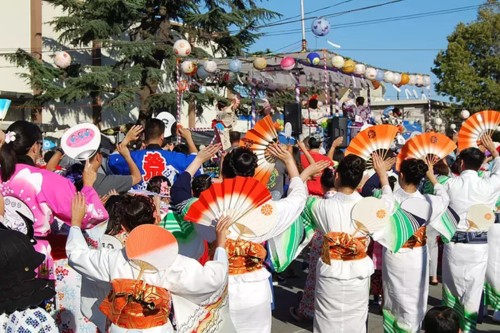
point(343, 272)
point(465, 257)
point(250, 293)
point(492, 283)
point(405, 273)
point(185, 277)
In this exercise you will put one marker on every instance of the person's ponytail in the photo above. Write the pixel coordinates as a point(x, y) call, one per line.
point(8, 161)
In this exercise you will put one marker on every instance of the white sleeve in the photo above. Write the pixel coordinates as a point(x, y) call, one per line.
point(93, 264)
point(494, 178)
point(439, 202)
point(195, 282)
point(289, 208)
point(388, 198)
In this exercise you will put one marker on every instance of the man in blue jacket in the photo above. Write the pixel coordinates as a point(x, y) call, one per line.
point(152, 160)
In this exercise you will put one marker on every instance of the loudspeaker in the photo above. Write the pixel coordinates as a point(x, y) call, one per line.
point(338, 127)
point(293, 115)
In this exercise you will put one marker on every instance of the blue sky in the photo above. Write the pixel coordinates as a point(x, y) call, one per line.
point(398, 39)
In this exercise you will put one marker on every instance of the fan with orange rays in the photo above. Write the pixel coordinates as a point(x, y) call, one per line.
point(246, 200)
point(428, 146)
point(480, 123)
point(377, 139)
point(258, 139)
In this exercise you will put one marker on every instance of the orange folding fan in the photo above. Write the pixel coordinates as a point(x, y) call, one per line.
point(484, 122)
point(437, 145)
point(377, 139)
point(239, 197)
point(258, 139)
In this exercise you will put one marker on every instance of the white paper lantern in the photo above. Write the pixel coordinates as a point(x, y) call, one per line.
point(370, 73)
point(442, 128)
point(465, 114)
point(188, 67)
point(359, 69)
point(420, 81)
point(413, 80)
point(182, 48)
point(427, 80)
point(388, 76)
point(396, 79)
point(453, 126)
point(338, 61)
point(62, 59)
point(210, 66)
point(438, 121)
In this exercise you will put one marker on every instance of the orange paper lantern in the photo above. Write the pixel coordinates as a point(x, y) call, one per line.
point(349, 66)
point(376, 84)
point(405, 78)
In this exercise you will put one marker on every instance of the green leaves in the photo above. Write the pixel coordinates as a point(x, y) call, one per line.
point(469, 69)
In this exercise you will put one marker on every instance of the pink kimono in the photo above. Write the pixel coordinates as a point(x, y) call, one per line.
point(40, 195)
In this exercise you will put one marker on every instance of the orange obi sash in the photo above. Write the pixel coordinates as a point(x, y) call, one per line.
point(342, 246)
point(134, 304)
point(418, 239)
point(244, 256)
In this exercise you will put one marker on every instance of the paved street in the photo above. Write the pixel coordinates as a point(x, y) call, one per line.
point(285, 295)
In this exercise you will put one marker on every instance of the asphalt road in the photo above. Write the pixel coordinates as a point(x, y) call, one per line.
point(286, 296)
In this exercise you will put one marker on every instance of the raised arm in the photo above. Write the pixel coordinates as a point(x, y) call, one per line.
point(336, 143)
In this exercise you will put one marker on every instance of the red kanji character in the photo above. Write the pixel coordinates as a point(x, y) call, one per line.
point(153, 165)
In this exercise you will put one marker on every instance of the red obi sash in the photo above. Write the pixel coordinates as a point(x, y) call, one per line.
point(244, 256)
point(418, 239)
point(342, 246)
point(134, 304)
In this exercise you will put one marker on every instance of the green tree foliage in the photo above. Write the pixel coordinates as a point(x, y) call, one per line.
point(139, 35)
point(469, 69)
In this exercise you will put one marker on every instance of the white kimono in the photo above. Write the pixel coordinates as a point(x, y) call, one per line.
point(250, 294)
point(185, 278)
point(464, 265)
point(405, 274)
point(342, 287)
point(492, 284)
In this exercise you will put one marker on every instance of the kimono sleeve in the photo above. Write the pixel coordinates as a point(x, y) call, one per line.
point(93, 264)
point(59, 192)
point(439, 202)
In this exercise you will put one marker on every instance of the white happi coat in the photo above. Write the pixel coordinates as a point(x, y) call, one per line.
point(405, 274)
point(250, 294)
point(342, 288)
point(464, 265)
point(185, 278)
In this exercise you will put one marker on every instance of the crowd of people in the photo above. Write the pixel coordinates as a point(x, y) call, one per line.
point(104, 245)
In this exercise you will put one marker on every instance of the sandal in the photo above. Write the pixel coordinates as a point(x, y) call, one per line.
point(295, 314)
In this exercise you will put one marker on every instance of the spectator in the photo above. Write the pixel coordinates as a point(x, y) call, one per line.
point(442, 319)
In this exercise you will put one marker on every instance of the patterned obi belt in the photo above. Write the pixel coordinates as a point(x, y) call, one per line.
point(418, 239)
point(342, 246)
point(470, 237)
point(244, 256)
point(134, 304)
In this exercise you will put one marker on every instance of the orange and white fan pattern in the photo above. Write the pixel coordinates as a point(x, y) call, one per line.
point(258, 139)
point(428, 146)
point(480, 123)
point(377, 139)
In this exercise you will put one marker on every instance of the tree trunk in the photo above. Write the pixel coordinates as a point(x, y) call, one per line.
point(96, 96)
point(36, 50)
point(192, 113)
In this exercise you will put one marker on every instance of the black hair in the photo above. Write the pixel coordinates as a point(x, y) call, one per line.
point(113, 204)
point(154, 184)
point(200, 183)
point(350, 171)
point(441, 319)
point(181, 148)
point(75, 174)
point(134, 211)
point(48, 155)
point(392, 182)
point(397, 112)
point(234, 137)
point(413, 170)
point(26, 135)
point(240, 161)
point(455, 167)
point(360, 100)
point(314, 143)
point(154, 129)
point(328, 178)
point(441, 168)
point(313, 103)
point(472, 158)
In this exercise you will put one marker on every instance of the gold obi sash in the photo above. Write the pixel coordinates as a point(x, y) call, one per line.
point(342, 246)
point(244, 256)
point(418, 239)
point(134, 304)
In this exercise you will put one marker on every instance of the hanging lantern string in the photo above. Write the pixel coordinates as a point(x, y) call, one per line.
point(178, 96)
point(200, 129)
point(254, 111)
point(325, 70)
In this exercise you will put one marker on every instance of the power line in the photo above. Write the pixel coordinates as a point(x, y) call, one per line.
point(313, 11)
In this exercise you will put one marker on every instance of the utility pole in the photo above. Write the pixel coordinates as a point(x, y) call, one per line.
point(36, 49)
point(304, 41)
